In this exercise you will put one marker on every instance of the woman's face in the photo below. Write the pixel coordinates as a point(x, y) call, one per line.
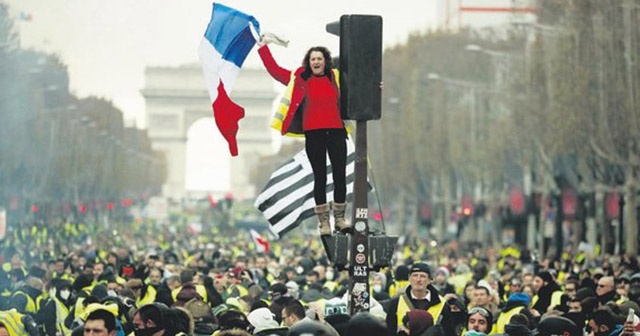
point(317, 63)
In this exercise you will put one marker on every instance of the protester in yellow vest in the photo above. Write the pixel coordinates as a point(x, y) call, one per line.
point(27, 298)
point(144, 293)
point(420, 294)
point(518, 303)
point(548, 293)
point(17, 324)
point(401, 281)
point(56, 309)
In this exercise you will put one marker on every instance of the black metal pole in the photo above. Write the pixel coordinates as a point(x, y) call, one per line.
point(359, 260)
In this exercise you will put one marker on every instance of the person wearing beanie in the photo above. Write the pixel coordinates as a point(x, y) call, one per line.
point(548, 293)
point(518, 303)
point(416, 322)
point(420, 294)
point(441, 281)
point(401, 280)
point(604, 323)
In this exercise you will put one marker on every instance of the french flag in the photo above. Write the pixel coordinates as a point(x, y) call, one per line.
point(229, 38)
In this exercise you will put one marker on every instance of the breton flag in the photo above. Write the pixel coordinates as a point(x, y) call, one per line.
point(287, 199)
point(227, 41)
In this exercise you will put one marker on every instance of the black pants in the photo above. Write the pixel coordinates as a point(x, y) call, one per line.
point(317, 144)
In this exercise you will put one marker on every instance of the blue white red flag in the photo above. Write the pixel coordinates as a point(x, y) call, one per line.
point(229, 38)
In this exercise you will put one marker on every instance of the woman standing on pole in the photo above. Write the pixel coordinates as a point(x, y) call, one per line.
point(311, 107)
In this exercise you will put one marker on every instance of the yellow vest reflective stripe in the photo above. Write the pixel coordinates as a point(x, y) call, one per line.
point(283, 107)
point(242, 291)
point(270, 278)
point(79, 307)
point(397, 287)
point(404, 307)
point(12, 320)
point(61, 314)
point(330, 285)
point(504, 318)
point(149, 296)
point(39, 300)
point(556, 299)
point(31, 306)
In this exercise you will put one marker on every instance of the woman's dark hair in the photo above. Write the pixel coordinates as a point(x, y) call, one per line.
point(328, 61)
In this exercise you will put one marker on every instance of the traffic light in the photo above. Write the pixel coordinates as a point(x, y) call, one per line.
point(467, 206)
point(360, 65)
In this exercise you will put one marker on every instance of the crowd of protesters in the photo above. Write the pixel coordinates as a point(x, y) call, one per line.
point(146, 279)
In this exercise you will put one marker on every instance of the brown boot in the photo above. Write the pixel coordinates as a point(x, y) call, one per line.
point(322, 211)
point(338, 216)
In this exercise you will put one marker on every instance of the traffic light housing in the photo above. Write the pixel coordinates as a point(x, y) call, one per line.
point(360, 65)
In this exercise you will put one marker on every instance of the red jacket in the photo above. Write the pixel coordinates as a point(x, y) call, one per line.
point(293, 120)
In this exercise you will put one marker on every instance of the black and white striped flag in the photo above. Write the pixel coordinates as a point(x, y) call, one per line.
point(287, 199)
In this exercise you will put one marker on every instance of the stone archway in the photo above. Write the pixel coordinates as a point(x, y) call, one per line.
point(177, 97)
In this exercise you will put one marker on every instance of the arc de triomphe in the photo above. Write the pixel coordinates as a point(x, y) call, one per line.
point(177, 97)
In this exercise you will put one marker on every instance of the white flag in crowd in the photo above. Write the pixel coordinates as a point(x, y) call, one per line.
point(262, 245)
point(287, 199)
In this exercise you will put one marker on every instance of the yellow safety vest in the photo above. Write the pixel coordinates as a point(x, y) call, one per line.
point(397, 287)
point(285, 102)
point(556, 299)
point(12, 320)
point(149, 296)
point(330, 285)
point(199, 289)
point(31, 306)
point(61, 314)
point(504, 318)
point(404, 306)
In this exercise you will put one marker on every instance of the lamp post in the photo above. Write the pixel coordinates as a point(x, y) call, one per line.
point(471, 88)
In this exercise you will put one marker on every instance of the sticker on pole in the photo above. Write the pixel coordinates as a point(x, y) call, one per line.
point(360, 258)
point(360, 271)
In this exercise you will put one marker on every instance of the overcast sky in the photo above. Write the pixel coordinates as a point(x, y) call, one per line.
point(107, 44)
